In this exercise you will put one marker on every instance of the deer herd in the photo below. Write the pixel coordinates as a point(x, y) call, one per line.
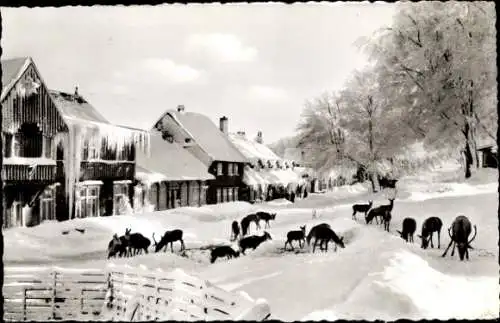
point(132, 244)
point(459, 232)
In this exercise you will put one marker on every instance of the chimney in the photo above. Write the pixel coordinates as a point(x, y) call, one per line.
point(76, 90)
point(259, 137)
point(180, 108)
point(223, 125)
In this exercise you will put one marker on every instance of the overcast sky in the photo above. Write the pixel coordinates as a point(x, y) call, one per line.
point(255, 64)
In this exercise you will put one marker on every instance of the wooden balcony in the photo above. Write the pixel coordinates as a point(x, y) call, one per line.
point(101, 170)
point(25, 173)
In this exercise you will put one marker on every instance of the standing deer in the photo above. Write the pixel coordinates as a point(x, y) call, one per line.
point(314, 231)
point(136, 242)
point(169, 237)
point(235, 230)
point(266, 217)
point(409, 227)
point(386, 218)
point(245, 223)
point(379, 212)
point(324, 235)
point(361, 208)
point(431, 225)
point(299, 235)
point(459, 233)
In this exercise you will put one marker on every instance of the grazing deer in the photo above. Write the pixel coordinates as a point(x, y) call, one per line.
point(299, 235)
point(324, 235)
point(361, 208)
point(223, 251)
point(409, 228)
point(379, 212)
point(169, 237)
point(136, 242)
point(235, 230)
point(116, 247)
point(314, 231)
point(459, 234)
point(266, 217)
point(431, 225)
point(253, 241)
point(245, 223)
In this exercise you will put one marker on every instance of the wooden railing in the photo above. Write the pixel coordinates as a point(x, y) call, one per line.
point(121, 294)
point(42, 173)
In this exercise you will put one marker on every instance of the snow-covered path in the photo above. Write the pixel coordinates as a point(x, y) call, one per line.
point(377, 275)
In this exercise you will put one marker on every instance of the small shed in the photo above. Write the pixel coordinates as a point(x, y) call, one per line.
point(487, 150)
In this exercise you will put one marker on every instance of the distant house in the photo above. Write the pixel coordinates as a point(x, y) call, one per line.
point(61, 158)
point(487, 149)
point(169, 177)
point(266, 175)
point(211, 145)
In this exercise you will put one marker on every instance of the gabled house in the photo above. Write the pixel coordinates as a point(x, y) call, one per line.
point(169, 177)
point(62, 159)
point(31, 121)
point(200, 136)
point(266, 175)
point(96, 159)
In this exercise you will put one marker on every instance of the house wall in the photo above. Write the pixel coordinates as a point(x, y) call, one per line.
point(224, 182)
point(23, 183)
point(168, 195)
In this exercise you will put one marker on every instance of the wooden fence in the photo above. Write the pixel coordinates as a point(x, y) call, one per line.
point(121, 293)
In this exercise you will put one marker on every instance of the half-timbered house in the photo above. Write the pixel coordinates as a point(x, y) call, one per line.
point(266, 175)
point(169, 177)
point(30, 124)
point(211, 145)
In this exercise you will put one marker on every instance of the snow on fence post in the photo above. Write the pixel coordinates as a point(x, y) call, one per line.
point(54, 295)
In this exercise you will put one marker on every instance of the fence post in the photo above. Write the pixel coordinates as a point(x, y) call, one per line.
point(24, 303)
point(54, 295)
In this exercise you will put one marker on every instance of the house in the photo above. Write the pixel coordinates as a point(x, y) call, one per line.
point(266, 175)
point(96, 159)
point(169, 177)
point(200, 136)
point(62, 159)
point(487, 149)
point(31, 121)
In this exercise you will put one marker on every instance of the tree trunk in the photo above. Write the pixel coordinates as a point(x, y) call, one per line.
point(467, 151)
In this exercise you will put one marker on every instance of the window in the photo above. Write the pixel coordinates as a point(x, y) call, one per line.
point(120, 198)
point(7, 146)
point(230, 169)
point(230, 194)
point(47, 205)
point(87, 201)
point(28, 141)
point(47, 147)
point(224, 195)
point(236, 189)
point(219, 195)
point(89, 150)
point(236, 171)
point(219, 169)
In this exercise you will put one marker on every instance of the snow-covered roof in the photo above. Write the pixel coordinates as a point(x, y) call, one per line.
point(252, 149)
point(208, 136)
point(169, 162)
point(74, 106)
point(252, 177)
point(12, 69)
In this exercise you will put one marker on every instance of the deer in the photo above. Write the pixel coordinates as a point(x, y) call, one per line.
point(136, 242)
point(266, 217)
point(324, 235)
point(245, 223)
point(314, 230)
point(169, 237)
point(299, 235)
point(116, 247)
point(361, 208)
point(379, 211)
point(431, 225)
point(253, 241)
point(235, 230)
point(459, 234)
point(409, 228)
point(223, 251)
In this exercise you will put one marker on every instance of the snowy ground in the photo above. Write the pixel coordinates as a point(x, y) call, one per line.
point(377, 275)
